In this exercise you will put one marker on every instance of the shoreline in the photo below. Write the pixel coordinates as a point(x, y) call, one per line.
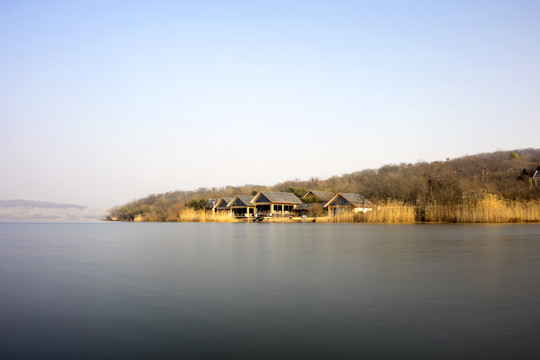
point(325, 220)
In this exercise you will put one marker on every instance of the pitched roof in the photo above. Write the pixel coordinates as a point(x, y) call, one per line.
point(354, 199)
point(225, 203)
point(321, 195)
point(280, 197)
point(245, 199)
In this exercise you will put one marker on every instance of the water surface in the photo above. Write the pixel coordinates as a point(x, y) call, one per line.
point(269, 291)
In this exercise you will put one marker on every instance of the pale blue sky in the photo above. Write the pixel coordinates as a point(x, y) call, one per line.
point(102, 102)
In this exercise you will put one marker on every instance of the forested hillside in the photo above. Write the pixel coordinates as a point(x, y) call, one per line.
point(504, 174)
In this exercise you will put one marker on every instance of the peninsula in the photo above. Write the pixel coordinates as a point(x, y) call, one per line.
point(497, 187)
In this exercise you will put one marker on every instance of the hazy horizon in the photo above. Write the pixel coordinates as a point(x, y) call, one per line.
point(46, 202)
point(102, 103)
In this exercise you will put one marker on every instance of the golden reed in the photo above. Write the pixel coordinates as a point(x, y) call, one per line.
point(490, 209)
point(388, 212)
point(191, 215)
point(188, 215)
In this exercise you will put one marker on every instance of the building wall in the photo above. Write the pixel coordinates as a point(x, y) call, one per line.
point(276, 209)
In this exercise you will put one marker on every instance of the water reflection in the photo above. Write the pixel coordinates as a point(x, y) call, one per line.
point(271, 291)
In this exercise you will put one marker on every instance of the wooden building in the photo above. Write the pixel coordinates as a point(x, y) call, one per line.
point(316, 196)
point(345, 202)
point(309, 208)
point(241, 205)
point(311, 199)
point(275, 203)
point(222, 205)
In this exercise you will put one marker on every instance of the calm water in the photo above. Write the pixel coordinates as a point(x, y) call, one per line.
point(269, 291)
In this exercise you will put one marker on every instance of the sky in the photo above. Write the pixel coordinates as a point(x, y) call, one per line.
point(104, 102)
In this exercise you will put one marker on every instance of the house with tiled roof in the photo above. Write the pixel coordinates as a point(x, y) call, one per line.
point(305, 209)
point(275, 203)
point(222, 205)
point(346, 202)
point(311, 199)
point(241, 205)
point(316, 196)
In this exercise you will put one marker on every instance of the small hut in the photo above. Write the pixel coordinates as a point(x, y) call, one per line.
point(241, 205)
point(222, 205)
point(275, 203)
point(316, 196)
point(305, 209)
point(345, 202)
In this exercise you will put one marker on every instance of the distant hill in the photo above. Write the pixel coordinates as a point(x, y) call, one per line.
point(43, 210)
point(38, 204)
point(504, 174)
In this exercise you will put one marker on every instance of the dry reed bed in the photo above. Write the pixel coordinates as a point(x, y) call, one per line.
point(491, 209)
point(488, 210)
point(387, 212)
point(190, 215)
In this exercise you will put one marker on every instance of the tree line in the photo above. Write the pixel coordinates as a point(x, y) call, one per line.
point(507, 175)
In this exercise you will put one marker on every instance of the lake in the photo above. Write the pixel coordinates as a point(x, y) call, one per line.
point(269, 291)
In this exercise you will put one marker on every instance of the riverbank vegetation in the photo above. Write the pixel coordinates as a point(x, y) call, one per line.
point(199, 215)
point(488, 210)
point(483, 188)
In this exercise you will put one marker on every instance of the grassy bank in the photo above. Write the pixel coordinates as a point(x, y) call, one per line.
point(490, 209)
point(387, 212)
point(190, 215)
point(439, 191)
